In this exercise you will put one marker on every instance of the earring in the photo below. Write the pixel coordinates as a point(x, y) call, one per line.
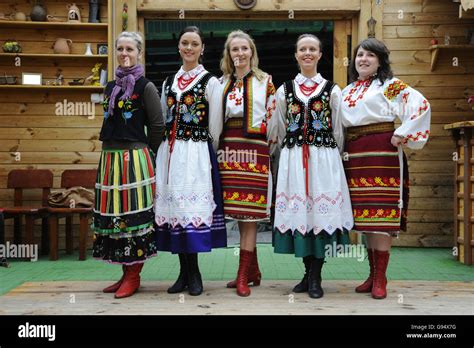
point(202, 53)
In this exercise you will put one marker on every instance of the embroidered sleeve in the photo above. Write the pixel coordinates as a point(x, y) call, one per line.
point(412, 109)
point(214, 92)
point(338, 130)
point(271, 102)
point(276, 128)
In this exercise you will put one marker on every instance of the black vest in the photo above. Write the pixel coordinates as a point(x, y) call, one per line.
point(191, 111)
point(317, 118)
point(129, 118)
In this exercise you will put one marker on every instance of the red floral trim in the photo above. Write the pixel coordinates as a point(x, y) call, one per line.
point(366, 83)
point(244, 167)
point(374, 182)
point(376, 213)
point(417, 136)
point(244, 197)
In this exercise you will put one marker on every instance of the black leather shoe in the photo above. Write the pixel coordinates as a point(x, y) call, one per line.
point(195, 287)
point(181, 283)
point(302, 286)
point(314, 279)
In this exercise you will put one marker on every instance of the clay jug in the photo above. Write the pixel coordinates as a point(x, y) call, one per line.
point(62, 46)
point(73, 13)
point(38, 13)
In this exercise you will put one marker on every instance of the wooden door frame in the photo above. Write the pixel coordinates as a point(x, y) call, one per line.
point(343, 29)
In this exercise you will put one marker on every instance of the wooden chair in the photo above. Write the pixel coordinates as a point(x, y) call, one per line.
point(19, 180)
point(70, 178)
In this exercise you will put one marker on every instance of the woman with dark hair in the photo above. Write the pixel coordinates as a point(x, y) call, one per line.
point(312, 208)
point(188, 204)
point(377, 169)
point(244, 160)
point(132, 131)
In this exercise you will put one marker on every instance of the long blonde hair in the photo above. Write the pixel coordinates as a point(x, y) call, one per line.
point(227, 65)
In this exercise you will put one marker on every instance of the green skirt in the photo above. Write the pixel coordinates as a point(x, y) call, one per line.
point(320, 246)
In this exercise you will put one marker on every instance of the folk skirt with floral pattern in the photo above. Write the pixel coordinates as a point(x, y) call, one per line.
point(123, 213)
point(244, 165)
point(373, 175)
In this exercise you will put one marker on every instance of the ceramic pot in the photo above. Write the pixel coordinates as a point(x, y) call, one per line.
point(18, 16)
point(73, 13)
point(62, 46)
point(38, 13)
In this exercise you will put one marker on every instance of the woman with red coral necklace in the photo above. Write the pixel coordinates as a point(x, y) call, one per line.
point(312, 207)
point(244, 152)
point(188, 203)
point(377, 170)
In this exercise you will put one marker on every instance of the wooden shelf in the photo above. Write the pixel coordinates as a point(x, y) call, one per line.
point(91, 88)
point(53, 55)
point(52, 25)
point(436, 49)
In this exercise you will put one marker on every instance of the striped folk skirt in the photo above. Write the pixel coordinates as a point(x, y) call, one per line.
point(123, 213)
point(373, 175)
point(244, 165)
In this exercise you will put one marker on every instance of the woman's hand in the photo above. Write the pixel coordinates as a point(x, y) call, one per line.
point(396, 140)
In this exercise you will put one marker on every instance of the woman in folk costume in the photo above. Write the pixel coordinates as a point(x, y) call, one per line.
point(312, 207)
point(125, 188)
point(188, 204)
point(244, 160)
point(377, 170)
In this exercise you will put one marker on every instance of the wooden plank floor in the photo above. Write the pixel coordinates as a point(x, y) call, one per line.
point(272, 297)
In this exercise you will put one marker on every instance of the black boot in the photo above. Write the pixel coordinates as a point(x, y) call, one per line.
point(181, 283)
point(302, 286)
point(195, 287)
point(314, 279)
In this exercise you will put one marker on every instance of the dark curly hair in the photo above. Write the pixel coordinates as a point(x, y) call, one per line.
point(384, 72)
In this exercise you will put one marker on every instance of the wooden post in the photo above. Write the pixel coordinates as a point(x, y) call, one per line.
point(340, 53)
point(467, 195)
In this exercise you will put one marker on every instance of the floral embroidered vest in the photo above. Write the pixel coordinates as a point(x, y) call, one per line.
point(312, 125)
point(129, 118)
point(190, 111)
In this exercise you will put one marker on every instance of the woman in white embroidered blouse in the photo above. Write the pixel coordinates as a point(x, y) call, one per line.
point(188, 204)
point(377, 170)
point(312, 208)
point(244, 162)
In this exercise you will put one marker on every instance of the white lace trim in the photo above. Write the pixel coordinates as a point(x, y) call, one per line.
point(184, 207)
point(303, 214)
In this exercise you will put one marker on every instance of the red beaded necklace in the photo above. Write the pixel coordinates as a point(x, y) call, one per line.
point(307, 91)
point(183, 83)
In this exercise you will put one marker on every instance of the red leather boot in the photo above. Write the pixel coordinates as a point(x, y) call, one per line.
point(379, 288)
point(131, 282)
point(243, 273)
point(367, 285)
point(255, 276)
point(116, 286)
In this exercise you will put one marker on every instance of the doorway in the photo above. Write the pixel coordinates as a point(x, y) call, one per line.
point(275, 41)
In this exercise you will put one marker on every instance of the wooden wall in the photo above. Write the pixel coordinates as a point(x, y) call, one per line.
point(29, 124)
point(408, 28)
